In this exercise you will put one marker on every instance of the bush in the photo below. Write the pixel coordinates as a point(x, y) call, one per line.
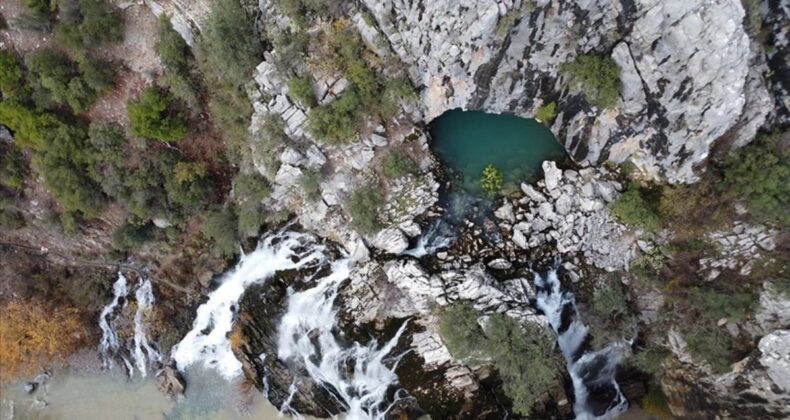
point(179, 64)
point(301, 89)
point(338, 120)
point(229, 52)
point(302, 11)
point(598, 77)
point(41, 7)
point(368, 93)
point(363, 206)
point(86, 24)
point(461, 332)
point(546, 112)
point(760, 174)
point(398, 164)
point(131, 236)
point(155, 116)
point(96, 74)
point(634, 209)
point(525, 357)
point(220, 226)
point(491, 180)
point(249, 191)
point(32, 22)
point(56, 80)
point(172, 48)
point(11, 75)
point(311, 184)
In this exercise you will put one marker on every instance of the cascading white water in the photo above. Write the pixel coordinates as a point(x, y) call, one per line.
point(586, 370)
point(109, 345)
point(437, 236)
point(208, 341)
point(311, 314)
point(143, 351)
point(109, 338)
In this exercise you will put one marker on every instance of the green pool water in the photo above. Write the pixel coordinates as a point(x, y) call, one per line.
point(467, 141)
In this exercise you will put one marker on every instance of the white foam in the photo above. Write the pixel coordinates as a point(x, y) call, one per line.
point(551, 300)
point(109, 338)
point(208, 342)
point(305, 335)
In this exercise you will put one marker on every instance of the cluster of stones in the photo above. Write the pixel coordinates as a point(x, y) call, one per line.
point(568, 209)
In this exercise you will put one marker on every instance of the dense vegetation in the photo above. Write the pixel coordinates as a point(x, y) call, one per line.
point(228, 51)
point(525, 356)
point(598, 78)
point(363, 206)
point(156, 116)
point(756, 176)
point(342, 51)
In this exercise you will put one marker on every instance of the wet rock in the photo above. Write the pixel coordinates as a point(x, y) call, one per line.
point(391, 241)
point(170, 382)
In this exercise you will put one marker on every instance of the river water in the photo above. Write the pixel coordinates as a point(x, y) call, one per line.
point(468, 141)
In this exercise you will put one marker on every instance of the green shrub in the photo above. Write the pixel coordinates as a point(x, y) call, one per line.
point(525, 357)
point(461, 332)
point(86, 24)
point(491, 180)
point(249, 191)
point(155, 116)
point(96, 74)
point(11, 75)
point(56, 80)
point(172, 48)
point(598, 77)
point(397, 164)
point(302, 11)
point(609, 315)
point(363, 206)
point(41, 7)
point(13, 166)
point(759, 173)
point(546, 112)
point(268, 145)
point(32, 22)
point(311, 184)
point(229, 52)
point(634, 209)
point(179, 64)
point(301, 89)
point(220, 226)
point(131, 236)
point(368, 92)
point(338, 120)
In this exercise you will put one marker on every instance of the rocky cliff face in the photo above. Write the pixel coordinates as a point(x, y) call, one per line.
point(690, 73)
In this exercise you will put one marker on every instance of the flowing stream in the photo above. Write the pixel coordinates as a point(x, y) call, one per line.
point(364, 390)
point(588, 369)
point(207, 342)
point(110, 346)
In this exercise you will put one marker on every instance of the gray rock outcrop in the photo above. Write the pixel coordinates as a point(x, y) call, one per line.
point(569, 209)
point(678, 97)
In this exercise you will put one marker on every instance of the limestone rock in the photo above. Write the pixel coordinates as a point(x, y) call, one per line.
point(391, 241)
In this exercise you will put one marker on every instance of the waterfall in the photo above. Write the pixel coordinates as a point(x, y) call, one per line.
point(438, 235)
point(109, 345)
point(207, 342)
point(109, 338)
point(306, 335)
point(587, 370)
point(143, 351)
